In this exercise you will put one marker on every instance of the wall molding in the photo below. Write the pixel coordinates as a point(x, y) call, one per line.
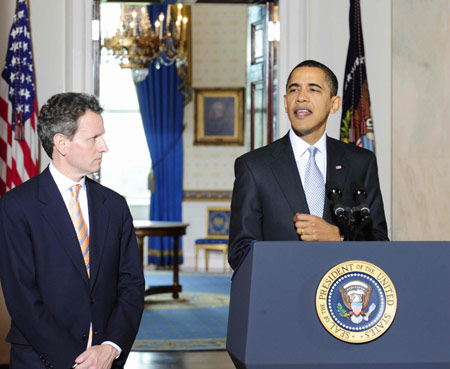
point(207, 195)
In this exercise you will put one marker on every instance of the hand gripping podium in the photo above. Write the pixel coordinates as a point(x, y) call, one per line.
point(274, 324)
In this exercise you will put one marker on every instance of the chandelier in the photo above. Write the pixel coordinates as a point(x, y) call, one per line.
point(137, 43)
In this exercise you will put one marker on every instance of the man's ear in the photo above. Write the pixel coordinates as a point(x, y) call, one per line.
point(285, 104)
point(61, 143)
point(335, 104)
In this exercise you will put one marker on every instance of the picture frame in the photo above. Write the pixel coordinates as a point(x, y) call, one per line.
point(219, 116)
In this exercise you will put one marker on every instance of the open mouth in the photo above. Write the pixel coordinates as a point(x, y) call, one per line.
point(302, 113)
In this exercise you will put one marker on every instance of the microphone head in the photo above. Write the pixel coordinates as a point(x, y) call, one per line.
point(332, 188)
point(357, 188)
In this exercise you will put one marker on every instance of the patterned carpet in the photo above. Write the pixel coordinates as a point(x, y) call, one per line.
point(196, 321)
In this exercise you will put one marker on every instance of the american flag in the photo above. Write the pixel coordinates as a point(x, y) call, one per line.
point(18, 106)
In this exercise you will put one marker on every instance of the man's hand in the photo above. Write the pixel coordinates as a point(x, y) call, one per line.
point(97, 357)
point(313, 228)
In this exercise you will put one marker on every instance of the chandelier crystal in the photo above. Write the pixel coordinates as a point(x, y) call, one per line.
point(137, 43)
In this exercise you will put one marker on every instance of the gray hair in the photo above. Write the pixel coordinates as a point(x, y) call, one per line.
point(61, 114)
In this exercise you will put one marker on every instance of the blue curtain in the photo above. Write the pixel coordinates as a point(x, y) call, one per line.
point(161, 105)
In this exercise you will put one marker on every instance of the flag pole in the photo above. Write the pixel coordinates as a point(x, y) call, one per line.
point(35, 86)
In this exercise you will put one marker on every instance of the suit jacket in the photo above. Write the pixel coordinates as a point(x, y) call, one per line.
point(268, 193)
point(48, 293)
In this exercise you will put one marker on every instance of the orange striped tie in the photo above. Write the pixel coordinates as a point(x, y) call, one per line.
point(82, 234)
point(79, 224)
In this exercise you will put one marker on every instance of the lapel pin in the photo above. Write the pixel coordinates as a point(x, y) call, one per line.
point(338, 167)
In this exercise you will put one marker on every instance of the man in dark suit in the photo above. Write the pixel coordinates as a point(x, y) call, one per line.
point(274, 190)
point(69, 262)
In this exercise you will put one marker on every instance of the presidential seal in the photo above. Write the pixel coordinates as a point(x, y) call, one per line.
point(356, 301)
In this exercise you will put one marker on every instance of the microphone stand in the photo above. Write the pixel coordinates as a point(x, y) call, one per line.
point(342, 213)
point(362, 218)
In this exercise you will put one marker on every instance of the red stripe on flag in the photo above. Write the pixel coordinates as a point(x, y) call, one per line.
point(15, 176)
point(3, 149)
point(2, 186)
point(34, 116)
point(27, 160)
point(3, 109)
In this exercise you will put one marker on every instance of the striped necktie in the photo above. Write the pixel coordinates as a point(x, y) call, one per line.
point(314, 185)
point(82, 234)
point(79, 224)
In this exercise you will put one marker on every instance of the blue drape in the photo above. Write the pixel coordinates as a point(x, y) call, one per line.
point(161, 105)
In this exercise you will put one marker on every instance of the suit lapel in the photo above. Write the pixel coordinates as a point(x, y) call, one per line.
point(286, 174)
point(98, 226)
point(337, 171)
point(55, 212)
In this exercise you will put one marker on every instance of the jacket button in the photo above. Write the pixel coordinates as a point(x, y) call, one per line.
point(91, 300)
point(85, 337)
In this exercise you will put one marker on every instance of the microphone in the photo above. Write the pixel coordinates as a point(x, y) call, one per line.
point(360, 196)
point(334, 194)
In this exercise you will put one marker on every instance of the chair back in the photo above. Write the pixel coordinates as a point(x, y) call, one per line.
point(218, 225)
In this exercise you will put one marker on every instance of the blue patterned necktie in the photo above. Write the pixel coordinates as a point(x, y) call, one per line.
point(314, 185)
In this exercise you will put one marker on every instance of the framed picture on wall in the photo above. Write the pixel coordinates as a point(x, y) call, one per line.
point(219, 116)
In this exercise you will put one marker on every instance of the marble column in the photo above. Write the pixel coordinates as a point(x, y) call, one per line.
point(420, 120)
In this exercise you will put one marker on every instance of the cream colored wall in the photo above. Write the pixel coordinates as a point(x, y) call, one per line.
point(218, 61)
point(421, 122)
point(6, 16)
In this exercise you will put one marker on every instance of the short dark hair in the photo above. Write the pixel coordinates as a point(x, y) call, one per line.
point(330, 76)
point(61, 114)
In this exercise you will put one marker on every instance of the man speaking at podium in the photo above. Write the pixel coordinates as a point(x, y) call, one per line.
point(279, 190)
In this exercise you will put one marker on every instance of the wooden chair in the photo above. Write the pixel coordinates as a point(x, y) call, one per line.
point(217, 230)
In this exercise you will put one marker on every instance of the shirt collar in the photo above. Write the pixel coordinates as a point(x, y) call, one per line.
point(299, 146)
point(63, 182)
